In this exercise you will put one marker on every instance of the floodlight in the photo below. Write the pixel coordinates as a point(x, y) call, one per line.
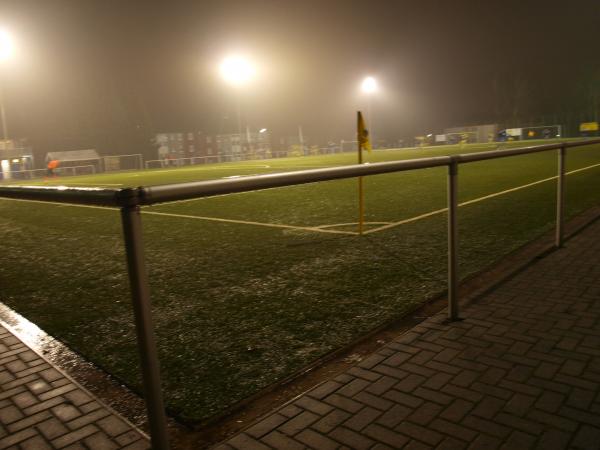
point(369, 85)
point(262, 130)
point(237, 70)
point(6, 45)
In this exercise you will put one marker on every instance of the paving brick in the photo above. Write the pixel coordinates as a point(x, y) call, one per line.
point(28, 421)
point(113, 425)
point(354, 387)
point(52, 428)
point(519, 423)
point(266, 425)
point(37, 443)
point(100, 441)
point(374, 401)
point(394, 416)
point(519, 404)
point(403, 398)
point(15, 438)
point(352, 439)
point(419, 433)
point(452, 429)
point(10, 414)
point(316, 440)
point(324, 389)
point(364, 417)
point(486, 426)
point(587, 437)
point(298, 423)
point(488, 407)
point(518, 439)
point(434, 396)
point(244, 442)
point(276, 439)
point(460, 392)
point(382, 385)
point(368, 375)
point(344, 403)
point(553, 439)
point(457, 410)
point(331, 420)
point(552, 420)
point(65, 412)
point(92, 417)
point(425, 413)
point(389, 437)
point(313, 405)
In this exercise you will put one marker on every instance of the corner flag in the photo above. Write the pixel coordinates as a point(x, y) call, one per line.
point(362, 134)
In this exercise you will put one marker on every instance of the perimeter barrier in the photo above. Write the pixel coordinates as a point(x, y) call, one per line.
point(131, 199)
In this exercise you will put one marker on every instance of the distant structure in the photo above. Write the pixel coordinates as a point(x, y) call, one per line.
point(226, 147)
point(16, 158)
point(470, 134)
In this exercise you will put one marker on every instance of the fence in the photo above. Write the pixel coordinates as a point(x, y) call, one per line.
point(130, 200)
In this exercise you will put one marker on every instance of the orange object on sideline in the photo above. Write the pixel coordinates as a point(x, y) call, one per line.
point(53, 164)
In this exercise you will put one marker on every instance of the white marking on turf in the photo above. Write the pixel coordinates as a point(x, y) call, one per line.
point(476, 200)
point(349, 224)
point(247, 222)
point(321, 228)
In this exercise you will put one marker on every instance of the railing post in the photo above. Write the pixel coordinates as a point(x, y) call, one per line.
point(452, 241)
point(560, 197)
point(140, 293)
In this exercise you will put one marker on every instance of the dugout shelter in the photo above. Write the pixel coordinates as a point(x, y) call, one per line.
point(76, 162)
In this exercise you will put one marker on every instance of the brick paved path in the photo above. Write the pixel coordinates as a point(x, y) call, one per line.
point(521, 371)
point(40, 408)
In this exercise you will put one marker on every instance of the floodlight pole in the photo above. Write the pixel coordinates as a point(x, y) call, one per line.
point(3, 115)
point(140, 293)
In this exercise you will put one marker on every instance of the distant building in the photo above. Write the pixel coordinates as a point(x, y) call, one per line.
point(16, 159)
point(228, 147)
point(471, 133)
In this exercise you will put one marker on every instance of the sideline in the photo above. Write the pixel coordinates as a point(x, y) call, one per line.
point(320, 228)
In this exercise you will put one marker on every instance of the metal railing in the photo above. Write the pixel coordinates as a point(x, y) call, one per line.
point(130, 201)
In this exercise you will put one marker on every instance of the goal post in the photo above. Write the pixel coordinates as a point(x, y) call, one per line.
point(348, 146)
point(123, 162)
point(88, 169)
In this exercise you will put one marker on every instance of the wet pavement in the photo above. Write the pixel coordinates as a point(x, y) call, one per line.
point(43, 408)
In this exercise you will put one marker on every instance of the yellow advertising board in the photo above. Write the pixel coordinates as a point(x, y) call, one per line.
point(588, 126)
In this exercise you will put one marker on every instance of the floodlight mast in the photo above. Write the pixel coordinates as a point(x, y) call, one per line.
point(6, 53)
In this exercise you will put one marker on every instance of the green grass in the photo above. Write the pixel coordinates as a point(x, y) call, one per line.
point(240, 306)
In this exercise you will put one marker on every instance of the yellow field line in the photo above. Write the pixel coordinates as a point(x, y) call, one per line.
point(475, 200)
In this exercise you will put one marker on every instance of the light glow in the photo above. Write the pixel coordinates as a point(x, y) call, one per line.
point(369, 85)
point(237, 70)
point(7, 48)
point(262, 130)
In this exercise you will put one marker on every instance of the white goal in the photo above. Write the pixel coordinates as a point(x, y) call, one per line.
point(123, 162)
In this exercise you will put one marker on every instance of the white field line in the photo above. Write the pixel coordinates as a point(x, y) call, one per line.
point(246, 222)
point(185, 216)
point(321, 228)
point(196, 167)
point(475, 200)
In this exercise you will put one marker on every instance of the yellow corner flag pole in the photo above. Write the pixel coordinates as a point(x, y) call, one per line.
point(362, 137)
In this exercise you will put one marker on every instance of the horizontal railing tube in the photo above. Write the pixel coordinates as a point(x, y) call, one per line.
point(181, 191)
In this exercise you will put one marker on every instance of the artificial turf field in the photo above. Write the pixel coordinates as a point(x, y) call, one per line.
point(248, 288)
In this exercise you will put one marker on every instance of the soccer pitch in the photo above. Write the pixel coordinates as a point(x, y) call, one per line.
point(247, 288)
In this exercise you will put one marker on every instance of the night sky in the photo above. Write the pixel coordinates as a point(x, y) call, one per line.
point(109, 74)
